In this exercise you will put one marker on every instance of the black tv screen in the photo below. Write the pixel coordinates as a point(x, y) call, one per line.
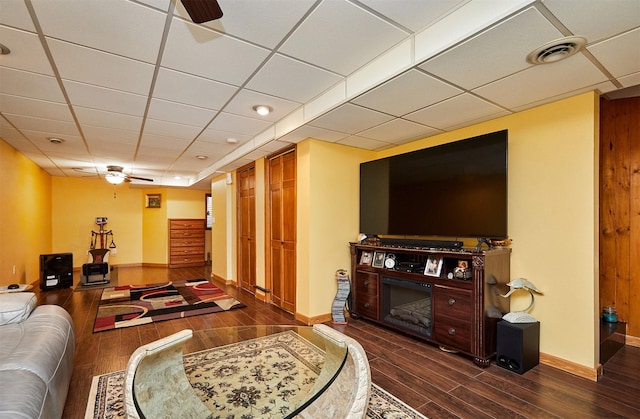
point(457, 189)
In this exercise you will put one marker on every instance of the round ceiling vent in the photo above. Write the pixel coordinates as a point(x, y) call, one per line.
point(557, 50)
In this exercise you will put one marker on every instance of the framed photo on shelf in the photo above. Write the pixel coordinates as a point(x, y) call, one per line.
point(365, 258)
point(434, 266)
point(378, 260)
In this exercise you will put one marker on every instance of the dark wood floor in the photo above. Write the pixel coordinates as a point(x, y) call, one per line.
point(436, 383)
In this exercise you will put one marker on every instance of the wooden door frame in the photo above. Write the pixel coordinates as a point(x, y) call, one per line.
point(268, 280)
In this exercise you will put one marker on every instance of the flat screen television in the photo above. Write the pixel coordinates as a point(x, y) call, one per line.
point(456, 190)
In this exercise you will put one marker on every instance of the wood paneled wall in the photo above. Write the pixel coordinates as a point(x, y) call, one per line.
point(620, 209)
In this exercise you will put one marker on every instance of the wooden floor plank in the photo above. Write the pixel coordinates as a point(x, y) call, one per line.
point(436, 383)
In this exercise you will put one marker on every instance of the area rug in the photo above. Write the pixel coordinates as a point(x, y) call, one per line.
point(133, 305)
point(258, 378)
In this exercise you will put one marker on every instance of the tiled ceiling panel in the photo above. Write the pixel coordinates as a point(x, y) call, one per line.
point(136, 83)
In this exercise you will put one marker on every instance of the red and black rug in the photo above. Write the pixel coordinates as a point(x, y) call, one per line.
point(133, 305)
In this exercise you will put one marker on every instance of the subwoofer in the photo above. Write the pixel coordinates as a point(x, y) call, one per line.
point(518, 346)
point(56, 270)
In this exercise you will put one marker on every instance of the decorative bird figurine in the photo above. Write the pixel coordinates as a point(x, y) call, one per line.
point(520, 283)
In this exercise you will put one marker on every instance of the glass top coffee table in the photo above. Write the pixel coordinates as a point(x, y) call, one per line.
point(263, 370)
point(249, 371)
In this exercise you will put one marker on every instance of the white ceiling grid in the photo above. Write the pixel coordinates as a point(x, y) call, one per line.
point(135, 83)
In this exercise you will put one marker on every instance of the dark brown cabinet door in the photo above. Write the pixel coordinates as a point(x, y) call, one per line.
point(282, 219)
point(247, 228)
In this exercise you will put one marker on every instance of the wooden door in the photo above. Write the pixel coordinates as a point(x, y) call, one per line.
point(282, 229)
point(247, 228)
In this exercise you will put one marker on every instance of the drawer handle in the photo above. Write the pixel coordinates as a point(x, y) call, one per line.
point(452, 301)
point(366, 283)
point(366, 305)
point(452, 331)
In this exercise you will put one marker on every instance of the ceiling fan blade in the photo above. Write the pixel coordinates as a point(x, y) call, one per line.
point(202, 10)
point(140, 178)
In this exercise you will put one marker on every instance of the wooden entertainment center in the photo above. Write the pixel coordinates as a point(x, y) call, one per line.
point(455, 305)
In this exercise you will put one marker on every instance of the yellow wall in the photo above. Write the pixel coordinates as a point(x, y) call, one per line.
point(553, 208)
point(219, 243)
point(25, 217)
point(140, 233)
point(328, 196)
point(76, 203)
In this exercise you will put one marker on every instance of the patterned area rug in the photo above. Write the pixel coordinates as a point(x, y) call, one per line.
point(133, 305)
point(259, 378)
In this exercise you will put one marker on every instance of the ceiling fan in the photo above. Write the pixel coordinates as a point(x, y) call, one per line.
point(116, 176)
point(202, 11)
point(113, 175)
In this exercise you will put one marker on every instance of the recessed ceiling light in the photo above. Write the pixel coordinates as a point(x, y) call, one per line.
point(4, 50)
point(201, 157)
point(177, 177)
point(232, 140)
point(557, 50)
point(54, 140)
point(262, 110)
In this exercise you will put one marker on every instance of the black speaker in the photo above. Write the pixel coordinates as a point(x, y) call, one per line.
point(56, 271)
point(518, 346)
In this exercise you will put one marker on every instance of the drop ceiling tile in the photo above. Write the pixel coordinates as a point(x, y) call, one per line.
point(167, 142)
point(110, 135)
point(406, 93)
point(14, 13)
point(291, 79)
point(181, 114)
point(542, 81)
point(351, 119)
point(245, 100)
point(596, 19)
point(366, 143)
point(30, 85)
point(170, 129)
point(54, 128)
point(41, 140)
point(454, 112)
point(329, 38)
point(34, 107)
point(413, 14)
point(620, 55)
point(264, 23)
point(220, 137)
point(117, 26)
point(104, 99)
point(26, 51)
point(192, 90)
point(88, 116)
point(238, 124)
point(494, 54)
point(111, 152)
point(307, 131)
point(196, 50)
point(399, 131)
point(630, 80)
point(98, 68)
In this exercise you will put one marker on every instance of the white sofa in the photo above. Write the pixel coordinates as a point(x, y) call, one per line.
point(36, 357)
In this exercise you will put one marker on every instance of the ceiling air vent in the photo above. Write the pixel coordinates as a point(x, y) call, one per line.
point(557, 50)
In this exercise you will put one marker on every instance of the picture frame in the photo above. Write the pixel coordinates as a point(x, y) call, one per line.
point(154, 200)
point(366, 258)
point(433, 266)
point(378, 259)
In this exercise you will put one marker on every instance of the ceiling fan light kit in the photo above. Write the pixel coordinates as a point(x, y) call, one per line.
point(114, 179)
